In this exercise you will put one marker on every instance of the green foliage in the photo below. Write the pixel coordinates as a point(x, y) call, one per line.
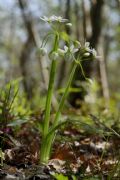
point(2, 157)
point(93, 111)
point(60, 177)
point(65, 36)
point(13, 106)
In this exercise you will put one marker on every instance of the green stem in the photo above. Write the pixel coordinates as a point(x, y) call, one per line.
point(49, 98)
point(50, 90)
point(47, 112)
point(50, 139)
point(48, 101)
point(64, 95)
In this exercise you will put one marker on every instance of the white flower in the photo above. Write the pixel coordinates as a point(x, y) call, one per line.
point(60, 19)
point(53, 18)
point(87, 44)
point(44, 18)
point(90, 51)
point(71, 49)
point(66, 49)
point(68, 52)
point(94, 52)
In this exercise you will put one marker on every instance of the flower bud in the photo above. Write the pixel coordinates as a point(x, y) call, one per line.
point(61, 52)
point(42, 51)
point(87, 44)
point(89, 80)
point(69, 24)
point(86, 54)
point(77, 44)
point(54, 55)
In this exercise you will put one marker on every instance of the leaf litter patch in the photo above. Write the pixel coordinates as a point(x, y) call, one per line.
point(84, 156)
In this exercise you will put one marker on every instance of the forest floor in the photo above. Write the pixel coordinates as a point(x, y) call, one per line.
point(79, 152)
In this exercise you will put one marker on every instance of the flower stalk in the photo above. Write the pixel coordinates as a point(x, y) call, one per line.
point(69, 53)
point(49, 140)
point(48, 100)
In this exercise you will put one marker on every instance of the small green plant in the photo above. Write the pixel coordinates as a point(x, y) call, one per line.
point(14, 110)
point(74, 53)
point(60, 177)
point(2, 157)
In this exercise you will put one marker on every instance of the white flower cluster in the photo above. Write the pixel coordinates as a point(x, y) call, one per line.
point(89, 51)
point(54, 18)
point(68, 52)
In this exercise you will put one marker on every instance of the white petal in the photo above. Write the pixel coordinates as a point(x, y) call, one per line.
point(65, 48)
point(75, 50)
point(72, 47)
point(94, 52)
point(53, 18)
point(44, 18)
point(87, 44)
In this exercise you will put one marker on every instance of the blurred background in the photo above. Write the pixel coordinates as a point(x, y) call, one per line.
point(21, 34)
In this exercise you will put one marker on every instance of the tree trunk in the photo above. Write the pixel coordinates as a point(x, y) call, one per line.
point(103, 74)
point(96, 26)
point(23, 66)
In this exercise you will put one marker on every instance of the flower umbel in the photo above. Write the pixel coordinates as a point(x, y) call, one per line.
point(54, 18)
point(89, 51)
